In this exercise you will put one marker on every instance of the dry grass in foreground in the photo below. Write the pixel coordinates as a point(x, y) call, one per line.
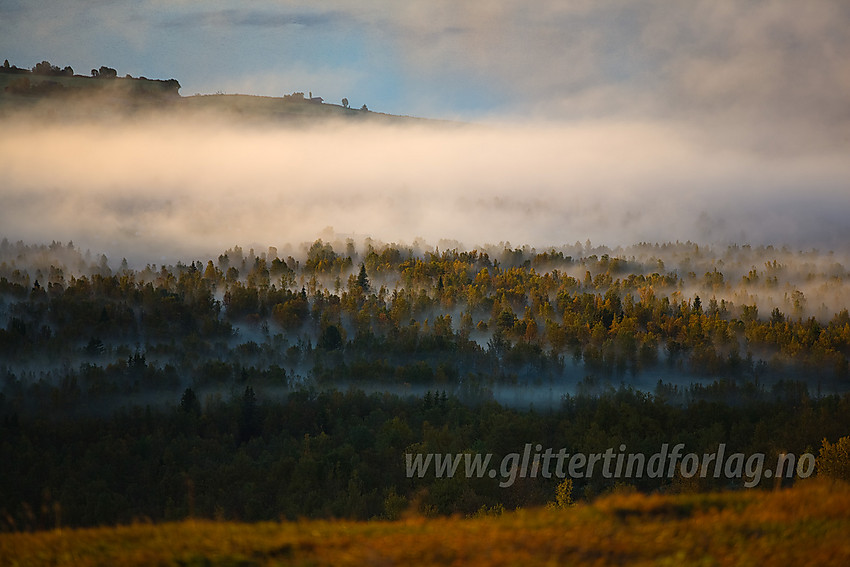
point(808, 524)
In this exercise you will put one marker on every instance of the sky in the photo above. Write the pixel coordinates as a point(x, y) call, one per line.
point(773, 64)
point(619, 121)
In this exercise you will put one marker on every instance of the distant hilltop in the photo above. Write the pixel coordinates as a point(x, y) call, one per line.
point(103, 93)
point(46, 79)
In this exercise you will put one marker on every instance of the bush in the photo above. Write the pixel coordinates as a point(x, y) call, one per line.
point(834, 459)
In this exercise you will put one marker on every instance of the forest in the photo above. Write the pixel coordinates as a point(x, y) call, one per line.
point(268, 385)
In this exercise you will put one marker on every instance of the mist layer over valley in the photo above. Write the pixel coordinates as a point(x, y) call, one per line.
point(165, 188)
point(535, 260)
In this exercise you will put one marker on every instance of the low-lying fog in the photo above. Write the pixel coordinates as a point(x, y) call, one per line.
point(164, 189)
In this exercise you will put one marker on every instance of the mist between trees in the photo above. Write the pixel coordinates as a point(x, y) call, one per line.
point(212, 388)
point(687, 319)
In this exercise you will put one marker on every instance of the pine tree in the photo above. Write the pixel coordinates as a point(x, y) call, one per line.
point(363, 279)
point(189, 402)
point(248, 415)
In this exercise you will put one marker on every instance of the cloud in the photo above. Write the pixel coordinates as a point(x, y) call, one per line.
point(175, 188)
point(771, 68)
point(233, 17)
point(765, 75)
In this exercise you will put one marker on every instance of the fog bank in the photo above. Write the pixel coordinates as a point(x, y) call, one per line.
point(164, 189)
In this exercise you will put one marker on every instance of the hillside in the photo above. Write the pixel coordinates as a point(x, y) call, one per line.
point(804, 525)
point(289, 108)
point(57, 93)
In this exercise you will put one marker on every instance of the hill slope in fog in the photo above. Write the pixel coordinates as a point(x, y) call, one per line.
point(55, 93)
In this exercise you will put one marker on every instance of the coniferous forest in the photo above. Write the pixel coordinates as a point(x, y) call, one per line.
point(251, 386)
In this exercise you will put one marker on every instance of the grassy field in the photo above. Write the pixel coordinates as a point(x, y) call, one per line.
point(278, 109)
point(807, 524)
